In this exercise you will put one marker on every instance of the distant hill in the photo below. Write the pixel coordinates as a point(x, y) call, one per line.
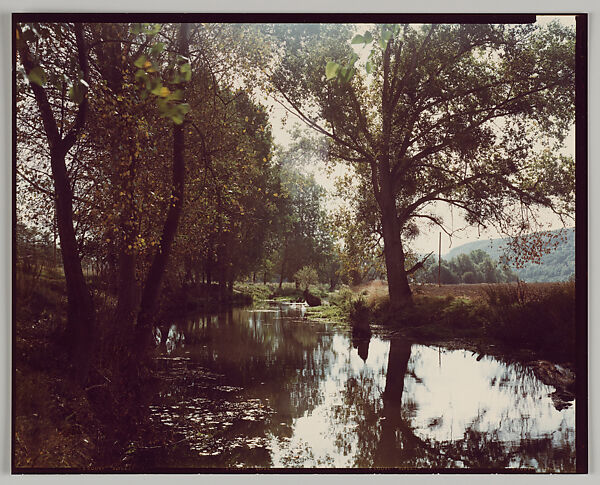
point(558, 265)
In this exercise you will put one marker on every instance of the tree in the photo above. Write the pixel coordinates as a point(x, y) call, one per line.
point(452, 114)
point(303, 235)
point(305, 277)
point(153, 281)
point(61, 137)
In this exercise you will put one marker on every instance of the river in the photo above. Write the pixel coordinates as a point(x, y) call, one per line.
point(267, 387)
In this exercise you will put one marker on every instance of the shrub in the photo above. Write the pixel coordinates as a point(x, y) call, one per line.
point(305, 277)
point(544, 321)
point(342, 299)
point(359, 311)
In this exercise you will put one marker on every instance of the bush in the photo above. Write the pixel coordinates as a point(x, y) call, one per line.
point(508, 294)
point(305, 277)
point(359, 311)
point(342, 299)
point(541, 321)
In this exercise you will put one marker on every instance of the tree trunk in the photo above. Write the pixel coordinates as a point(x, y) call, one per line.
point(80, 305)
point(150, 293)
point(398, 287)
point(283, 255)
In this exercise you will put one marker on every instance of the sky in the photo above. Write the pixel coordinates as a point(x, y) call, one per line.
point(428, 240)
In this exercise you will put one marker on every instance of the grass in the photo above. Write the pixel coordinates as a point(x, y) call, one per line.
point(271, 291)
point(329, 313)
point(518, 315)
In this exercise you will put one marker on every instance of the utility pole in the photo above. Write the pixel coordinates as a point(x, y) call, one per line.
point(440, 261)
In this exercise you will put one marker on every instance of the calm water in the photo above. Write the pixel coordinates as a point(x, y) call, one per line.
point(269, 388)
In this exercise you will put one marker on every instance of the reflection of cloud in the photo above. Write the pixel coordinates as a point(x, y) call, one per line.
point(328, 408)
point(515, 402)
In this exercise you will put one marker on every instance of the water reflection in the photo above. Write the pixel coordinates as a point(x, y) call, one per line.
point(361, 344)
point(270, 388)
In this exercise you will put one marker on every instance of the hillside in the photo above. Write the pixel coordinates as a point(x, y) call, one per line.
point(558, 265)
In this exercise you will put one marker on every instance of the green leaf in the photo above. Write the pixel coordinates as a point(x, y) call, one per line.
point(331, 70)
point(184, 108)
point(136, 28)
point(177, 118)
point(176, 95)
point(369, 67)
point(157, 88)
point(387, 35)
point(349, 72)
point(77, 92)
point(140, 61)
point(186, 70)
point(382, 44)
point(163, 106)
point(157, 48)
point(37, 76)
point(140, 74)
point(368, 37)
point(358, 39)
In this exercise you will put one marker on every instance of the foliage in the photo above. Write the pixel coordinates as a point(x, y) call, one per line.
point(542, 321)
point(452, 114)
point(556, 265)
point(305, 277)
point(475, 267)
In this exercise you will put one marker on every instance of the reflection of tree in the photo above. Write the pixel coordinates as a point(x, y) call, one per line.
point(361, 343)
point(383, 435)
point(275, 362)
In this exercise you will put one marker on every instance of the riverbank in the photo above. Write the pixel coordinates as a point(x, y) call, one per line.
point(533, 320)
point(60, 424)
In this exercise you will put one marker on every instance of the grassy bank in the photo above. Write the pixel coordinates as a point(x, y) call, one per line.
point(271, 291)
point(58, 423)
point(535, 317)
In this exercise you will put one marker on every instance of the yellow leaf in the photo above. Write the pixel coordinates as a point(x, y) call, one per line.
point(164, 92)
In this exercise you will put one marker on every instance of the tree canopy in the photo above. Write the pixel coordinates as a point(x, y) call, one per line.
point(467, 115)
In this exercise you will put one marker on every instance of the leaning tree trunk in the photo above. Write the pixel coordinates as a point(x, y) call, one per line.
point(80, 305)
point(153, 282)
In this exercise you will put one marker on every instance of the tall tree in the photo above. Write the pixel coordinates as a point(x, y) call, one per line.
point(153, 282)
point(457, 114)
point(61, 138)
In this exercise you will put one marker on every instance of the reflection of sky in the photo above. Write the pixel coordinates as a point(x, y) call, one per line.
point(325, 405)
point(457, 392)
point(450, 392)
